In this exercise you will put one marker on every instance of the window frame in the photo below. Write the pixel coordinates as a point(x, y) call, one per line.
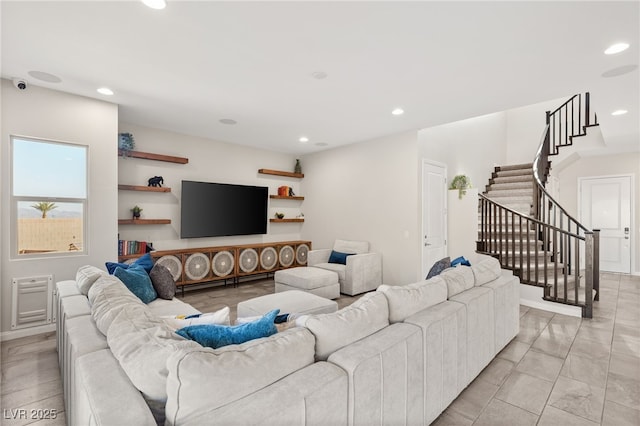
point(15, 199)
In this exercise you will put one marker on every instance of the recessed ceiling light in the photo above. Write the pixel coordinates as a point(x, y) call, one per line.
point(616, 48)
point(155, 4)
point(304, 139)
point(44, 76)
point(105, 91)
point(319, 75)
point(619, 112)
point(228, 121)
point(615, 72)
point(397, 111)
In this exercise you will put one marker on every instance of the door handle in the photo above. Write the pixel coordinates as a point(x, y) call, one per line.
point(427, 244)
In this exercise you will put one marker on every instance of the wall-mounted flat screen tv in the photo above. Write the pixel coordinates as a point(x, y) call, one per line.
point(220, 209)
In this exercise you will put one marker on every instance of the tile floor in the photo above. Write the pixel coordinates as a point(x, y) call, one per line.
point(558, 371)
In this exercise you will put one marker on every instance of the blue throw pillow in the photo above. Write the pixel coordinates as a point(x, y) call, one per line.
point(145, 261)
point(138, 282)
point(460, 261)
point(337, 257)
point(216, 336)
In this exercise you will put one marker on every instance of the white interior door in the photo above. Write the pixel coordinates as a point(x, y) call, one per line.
point(605, 204)
point(434, 214)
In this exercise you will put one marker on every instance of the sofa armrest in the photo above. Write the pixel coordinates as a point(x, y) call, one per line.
point(318, 256)
point(103, 389)
point(363, 273)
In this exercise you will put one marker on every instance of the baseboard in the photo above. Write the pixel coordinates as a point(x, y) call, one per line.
point(25, 332)
point(531, 296)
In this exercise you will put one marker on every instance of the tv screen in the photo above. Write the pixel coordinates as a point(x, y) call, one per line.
point(220, 209)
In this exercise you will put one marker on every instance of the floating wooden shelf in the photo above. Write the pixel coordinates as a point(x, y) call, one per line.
point(286, 197)
point(144, 221)
point(157, 157)
point(143, 188)
point(296, 220)
point(280, 173)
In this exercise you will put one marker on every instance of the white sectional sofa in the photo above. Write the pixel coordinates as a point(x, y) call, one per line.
point(398, 355)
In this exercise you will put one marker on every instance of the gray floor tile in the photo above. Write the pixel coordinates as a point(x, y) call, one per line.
point(514, 351)
point(625, 365)
point(497, 371)
point(499, 413)
point(586, 369)
point(555, 417)
point(578, 398)
point(473, 399)
point(553, 344)
point(525, 391)
point(619, 415)
point(623, 390)
point(590, 348)
point(541, 365)
point(451, 418)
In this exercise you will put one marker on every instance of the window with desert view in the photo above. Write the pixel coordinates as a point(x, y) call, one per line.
point(49, 197)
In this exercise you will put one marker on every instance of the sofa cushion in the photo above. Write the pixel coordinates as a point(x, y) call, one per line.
point(205, 379)
point(142, 342)
point(86, 276)
point(216, 336)
point(458, 279)
point(406, 300)
point(333, 331)
point(486, 269)
point(348, 246)
point(108, 296)
point(163, 282)
point(173, 307)
point(338, 268)
point(137, 280)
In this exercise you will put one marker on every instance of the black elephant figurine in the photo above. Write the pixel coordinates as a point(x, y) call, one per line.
point(156, 181)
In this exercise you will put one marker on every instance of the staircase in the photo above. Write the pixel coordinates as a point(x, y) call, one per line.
point(529, 232)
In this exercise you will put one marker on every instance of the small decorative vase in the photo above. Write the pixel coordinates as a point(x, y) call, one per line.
point(136, 216)
point(298, 167)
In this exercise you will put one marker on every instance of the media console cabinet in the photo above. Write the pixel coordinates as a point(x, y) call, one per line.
point(209, 264)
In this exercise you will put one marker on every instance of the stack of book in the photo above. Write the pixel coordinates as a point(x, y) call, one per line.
point(126, 247)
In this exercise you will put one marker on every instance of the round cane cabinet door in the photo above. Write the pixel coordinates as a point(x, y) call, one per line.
point(173, 264)
point(196, 267)
point(301, 254)
point(222, 263)
point(268, 258)
point(248, 260)
point(286, 256)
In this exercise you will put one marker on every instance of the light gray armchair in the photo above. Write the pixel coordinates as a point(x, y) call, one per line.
point(362, 271)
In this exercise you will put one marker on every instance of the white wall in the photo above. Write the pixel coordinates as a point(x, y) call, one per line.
point(48, 114)
point(628, 163)
point(209, 161)
point(472, 147)
point(525, 126)
point(367, 191)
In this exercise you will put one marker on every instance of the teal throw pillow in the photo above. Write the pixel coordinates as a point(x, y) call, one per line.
point(146, 261)
point(337, 257)
point(138, 282)
point(460, 261)
point(216, 336)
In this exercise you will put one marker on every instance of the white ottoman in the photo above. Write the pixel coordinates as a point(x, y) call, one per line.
point(289, 302)
point(312, 280)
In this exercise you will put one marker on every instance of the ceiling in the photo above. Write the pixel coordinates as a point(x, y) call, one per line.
point(192, 64)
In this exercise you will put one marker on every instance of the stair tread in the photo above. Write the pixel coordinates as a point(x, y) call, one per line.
point(516, 166)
